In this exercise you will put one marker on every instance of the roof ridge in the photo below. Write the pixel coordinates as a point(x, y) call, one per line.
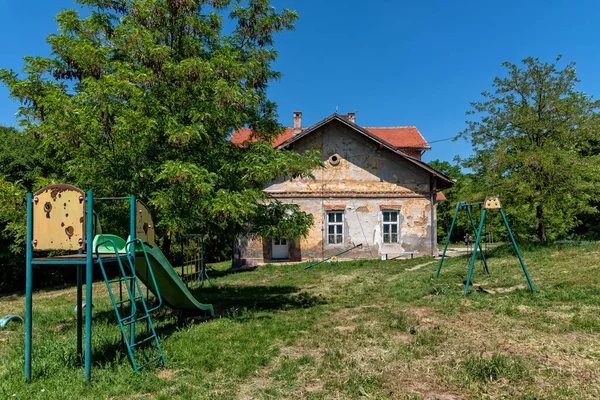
point(391, 127)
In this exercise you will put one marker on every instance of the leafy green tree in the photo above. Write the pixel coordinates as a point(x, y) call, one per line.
point(141, 96)
point(23, 166)
point(446, 209)
point(531, 138)
point(23, 160)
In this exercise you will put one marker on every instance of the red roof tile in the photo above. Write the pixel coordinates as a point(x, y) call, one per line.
point(439, 196)
point(399, 136)
point(243, 135)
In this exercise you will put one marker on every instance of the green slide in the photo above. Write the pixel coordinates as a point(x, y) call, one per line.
point(172, 290)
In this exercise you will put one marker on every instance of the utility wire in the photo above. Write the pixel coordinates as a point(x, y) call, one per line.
point(441, 140)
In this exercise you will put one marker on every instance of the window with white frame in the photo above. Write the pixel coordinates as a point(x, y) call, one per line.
point(335, 227)
point(390, 226)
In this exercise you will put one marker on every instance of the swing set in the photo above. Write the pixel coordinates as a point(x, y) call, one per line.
point(491, 203)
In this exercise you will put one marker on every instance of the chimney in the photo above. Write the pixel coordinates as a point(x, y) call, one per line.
point(352, 117)
point(297, 121)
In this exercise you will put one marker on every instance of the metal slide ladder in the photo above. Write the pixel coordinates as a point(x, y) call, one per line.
point(134, 297)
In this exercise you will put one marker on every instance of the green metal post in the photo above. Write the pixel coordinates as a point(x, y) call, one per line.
point(28, 286)
point(132, 252)
point(79, 312)
point(512, 239)
point(182, 239)
point(477, 241)
point(89, 270)
point(202, 267)
point(486, 271)
point(458, 206)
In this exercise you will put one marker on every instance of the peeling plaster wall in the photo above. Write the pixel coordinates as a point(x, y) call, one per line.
point(363, 170)
point(365, 179)
point(363, 223)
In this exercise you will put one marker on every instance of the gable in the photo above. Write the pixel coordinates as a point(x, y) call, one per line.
point(361, 168)
point(412, 155)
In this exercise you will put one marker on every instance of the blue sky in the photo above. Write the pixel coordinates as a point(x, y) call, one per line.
point(393, 62)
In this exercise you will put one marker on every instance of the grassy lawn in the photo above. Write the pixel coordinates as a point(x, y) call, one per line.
point(368, 329)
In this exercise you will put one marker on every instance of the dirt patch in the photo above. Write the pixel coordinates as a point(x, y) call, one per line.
point(166, 373)
point(505, 289)
point(421, 312)
point(439, 396)
point(62, 327)
point(247, 391)
point(350, 314)
point(402, 337)
point(416, 267)
point(343, 315)
point(558, 315)
point(314, 388)
point(345, 328)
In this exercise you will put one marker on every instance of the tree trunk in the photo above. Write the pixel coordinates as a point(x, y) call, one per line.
point(540, 227)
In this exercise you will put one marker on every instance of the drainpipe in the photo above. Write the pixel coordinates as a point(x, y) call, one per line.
point(433, 192)
point(433, 226)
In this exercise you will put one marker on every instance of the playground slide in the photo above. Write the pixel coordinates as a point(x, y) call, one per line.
point(172, 290)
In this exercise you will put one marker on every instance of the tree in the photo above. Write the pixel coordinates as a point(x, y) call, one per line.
point(531, 140)
point(23, 165)
point(140, 98)
point(445, 209)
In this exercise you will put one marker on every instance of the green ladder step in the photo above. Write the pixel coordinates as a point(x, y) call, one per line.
point(128, 300)
point(134, 293)
point(127, 323)
point(151, 361)
point(142, 341)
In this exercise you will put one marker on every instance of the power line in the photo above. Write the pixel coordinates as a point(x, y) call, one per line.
point(442, 140)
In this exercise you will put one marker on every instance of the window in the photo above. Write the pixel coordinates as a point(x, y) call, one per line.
point(335, 227)
point(390, 227)
point(280, 242)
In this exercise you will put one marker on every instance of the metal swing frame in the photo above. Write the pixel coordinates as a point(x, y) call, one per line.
point(491, 203)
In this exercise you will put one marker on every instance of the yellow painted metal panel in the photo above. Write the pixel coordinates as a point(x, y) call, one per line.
point(59, 218)
point(144, 227)
point(492, 203)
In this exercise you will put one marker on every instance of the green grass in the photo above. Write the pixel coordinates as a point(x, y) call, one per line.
point(368, 329)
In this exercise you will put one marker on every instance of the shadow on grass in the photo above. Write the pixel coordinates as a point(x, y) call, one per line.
point(227, 300)
point(216, 273)
point(259, 298)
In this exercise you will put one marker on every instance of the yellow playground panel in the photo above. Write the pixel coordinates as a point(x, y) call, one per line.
point(492, 203)
point(58, 218)
point(144, 227)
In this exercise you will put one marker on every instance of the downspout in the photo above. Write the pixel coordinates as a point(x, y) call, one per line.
point(432, 194)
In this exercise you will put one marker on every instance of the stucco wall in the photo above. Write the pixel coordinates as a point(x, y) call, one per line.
point(363, 224)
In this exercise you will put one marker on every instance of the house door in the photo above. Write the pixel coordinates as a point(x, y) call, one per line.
point(281, 249)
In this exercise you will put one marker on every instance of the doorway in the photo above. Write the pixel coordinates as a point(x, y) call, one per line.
point(281, 249)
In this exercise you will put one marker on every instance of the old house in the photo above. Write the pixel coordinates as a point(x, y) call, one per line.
point(374, 190)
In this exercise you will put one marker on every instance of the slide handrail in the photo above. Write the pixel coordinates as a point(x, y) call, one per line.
point(150, 271)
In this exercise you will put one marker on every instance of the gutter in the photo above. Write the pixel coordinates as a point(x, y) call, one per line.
point(433, 220)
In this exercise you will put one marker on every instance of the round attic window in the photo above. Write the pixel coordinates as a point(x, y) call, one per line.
point(334, 159)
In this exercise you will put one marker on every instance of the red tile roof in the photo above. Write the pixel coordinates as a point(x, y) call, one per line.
point(439, 196)
point(398, 136)
point(243, 135)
